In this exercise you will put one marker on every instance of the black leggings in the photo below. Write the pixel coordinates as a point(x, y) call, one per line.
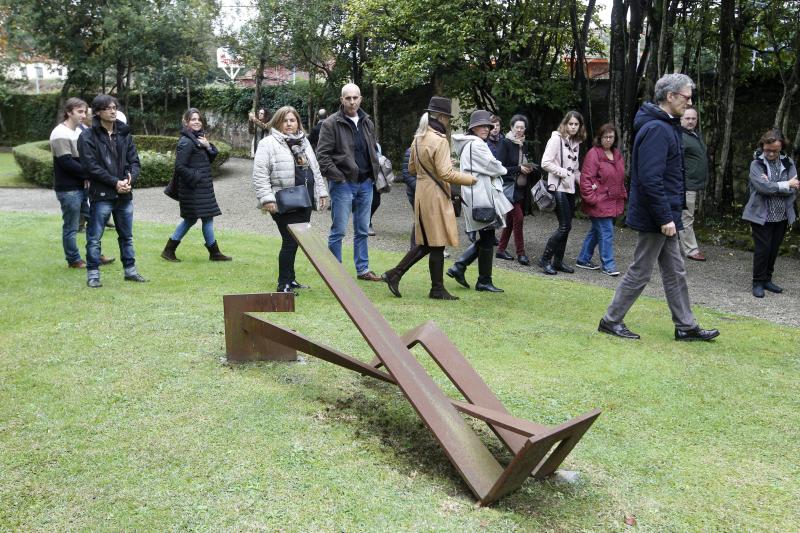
point(288, 244)
point(565, 209)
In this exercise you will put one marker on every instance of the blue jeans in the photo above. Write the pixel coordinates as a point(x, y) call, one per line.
point(122, 211)
point(602, 234)
point(71, 203)
point(186, 223)
point(346, 198)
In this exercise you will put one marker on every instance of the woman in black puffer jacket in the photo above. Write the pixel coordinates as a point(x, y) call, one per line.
point(193, 158)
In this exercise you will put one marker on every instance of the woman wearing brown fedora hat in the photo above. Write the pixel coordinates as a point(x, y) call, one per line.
point(435, 220)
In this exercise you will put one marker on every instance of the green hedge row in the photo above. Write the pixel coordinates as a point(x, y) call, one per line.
point(156, 154)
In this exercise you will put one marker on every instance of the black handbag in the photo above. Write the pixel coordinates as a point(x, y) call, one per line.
point(172, 187)
point(481, 214)
point(292, 199)
point(295, 198)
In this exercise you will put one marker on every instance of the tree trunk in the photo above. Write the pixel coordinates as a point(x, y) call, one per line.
point(188, 93)
point(376, 111)
point(141, 109)
point(617, 63)
point(631, 77)
point(580, 37)
point(262, 63)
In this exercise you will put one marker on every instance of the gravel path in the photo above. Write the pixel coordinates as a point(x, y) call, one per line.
point(723, 282)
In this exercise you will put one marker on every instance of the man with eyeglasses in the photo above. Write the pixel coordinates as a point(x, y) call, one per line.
point(111, 164)
point(654, 209)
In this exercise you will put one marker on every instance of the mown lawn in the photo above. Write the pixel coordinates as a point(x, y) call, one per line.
point(119, 412)
point(10, 173)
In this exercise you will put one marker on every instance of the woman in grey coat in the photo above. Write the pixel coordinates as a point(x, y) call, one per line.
point(773, 187)
point(477, 159)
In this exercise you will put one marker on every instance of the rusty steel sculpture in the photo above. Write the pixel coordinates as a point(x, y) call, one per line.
point(538, 449)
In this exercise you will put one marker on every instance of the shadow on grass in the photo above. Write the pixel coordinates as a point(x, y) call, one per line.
point(378, 413)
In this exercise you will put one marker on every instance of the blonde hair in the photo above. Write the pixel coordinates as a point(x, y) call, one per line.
point(280, 116)
point(422, 127)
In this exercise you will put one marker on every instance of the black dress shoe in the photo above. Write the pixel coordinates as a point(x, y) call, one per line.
point(696, 334)
point(504, 255)
point(295, 285)
point(135, 277)
point(523, 260)
point(487, 287)
point(617, 330)
point(561, 267)
point(771, 287)
point(758, 290)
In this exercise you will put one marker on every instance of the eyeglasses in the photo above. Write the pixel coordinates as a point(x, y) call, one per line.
point(608, 137)
point(687, 96)
point(109, 108)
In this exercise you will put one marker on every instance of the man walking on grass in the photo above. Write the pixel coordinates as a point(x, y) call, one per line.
point(348, 159)
point(654, 210)
point(111, 164)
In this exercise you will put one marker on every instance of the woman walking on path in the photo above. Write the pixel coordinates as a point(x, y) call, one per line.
point(286, 159)
point(770, 209)
point(603, 198)
point(434, 218)
point(196, 198)
point(487, 195)
point(560, 161)
point(513, 155)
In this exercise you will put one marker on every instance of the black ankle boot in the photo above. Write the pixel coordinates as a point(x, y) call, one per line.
point(215, 255)
point(169, 251)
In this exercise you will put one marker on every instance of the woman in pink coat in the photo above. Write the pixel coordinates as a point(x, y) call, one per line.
point(603, 194)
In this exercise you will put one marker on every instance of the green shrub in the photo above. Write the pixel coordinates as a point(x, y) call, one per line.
point(156, 154)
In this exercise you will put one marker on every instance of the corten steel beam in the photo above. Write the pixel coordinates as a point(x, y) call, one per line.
point(469, 455)
point(538, 449)
point(239, 344)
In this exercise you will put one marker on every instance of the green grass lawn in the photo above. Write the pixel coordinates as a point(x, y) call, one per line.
point(119, 412)
point(10, 173)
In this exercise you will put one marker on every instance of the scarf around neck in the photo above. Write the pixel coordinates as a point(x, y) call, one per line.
point(436, 125)
point(513, 138)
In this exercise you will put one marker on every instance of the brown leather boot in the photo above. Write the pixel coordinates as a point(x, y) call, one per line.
point(393, 276)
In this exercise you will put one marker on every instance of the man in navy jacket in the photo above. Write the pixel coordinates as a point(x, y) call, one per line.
point(654, 209)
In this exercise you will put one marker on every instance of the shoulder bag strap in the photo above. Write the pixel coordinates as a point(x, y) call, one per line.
point(431, 174)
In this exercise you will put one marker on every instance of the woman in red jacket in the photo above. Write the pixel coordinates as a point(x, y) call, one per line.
point(603, 194)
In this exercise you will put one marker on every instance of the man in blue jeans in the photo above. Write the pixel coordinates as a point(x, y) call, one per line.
point(348, 159)
point(111, 164)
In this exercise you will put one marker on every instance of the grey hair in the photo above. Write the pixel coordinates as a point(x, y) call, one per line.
point(671, 83)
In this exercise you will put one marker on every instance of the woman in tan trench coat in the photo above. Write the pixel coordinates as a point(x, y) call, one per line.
point(434, 218)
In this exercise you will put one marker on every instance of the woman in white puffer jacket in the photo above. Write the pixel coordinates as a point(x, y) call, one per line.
point(285, 159)
point(477, 159)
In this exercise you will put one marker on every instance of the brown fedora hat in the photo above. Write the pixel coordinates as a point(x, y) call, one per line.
point(439, 104)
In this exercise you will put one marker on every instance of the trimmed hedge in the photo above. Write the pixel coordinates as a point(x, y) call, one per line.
point(156, 154)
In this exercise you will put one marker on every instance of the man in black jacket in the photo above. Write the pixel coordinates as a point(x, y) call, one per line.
point(348, 159)
point(111, 164)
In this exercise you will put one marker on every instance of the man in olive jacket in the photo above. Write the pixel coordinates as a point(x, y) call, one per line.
point(111, 164)
point(696, 165)
point(348, 159)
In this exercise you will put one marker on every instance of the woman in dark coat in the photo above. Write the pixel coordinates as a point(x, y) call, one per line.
point(193, 158)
